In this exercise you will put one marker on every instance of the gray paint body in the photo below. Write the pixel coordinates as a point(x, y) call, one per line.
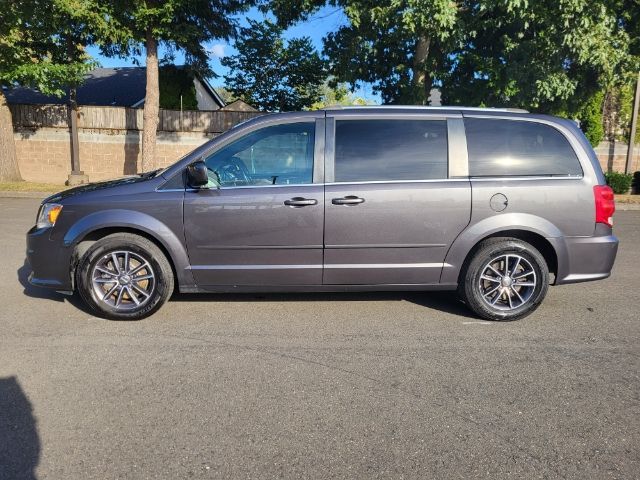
point(412, 235)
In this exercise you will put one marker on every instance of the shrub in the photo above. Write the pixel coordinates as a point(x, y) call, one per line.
point(591, 119)
point(619, 182)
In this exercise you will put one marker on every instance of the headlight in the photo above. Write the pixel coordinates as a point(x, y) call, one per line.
point(49, 213)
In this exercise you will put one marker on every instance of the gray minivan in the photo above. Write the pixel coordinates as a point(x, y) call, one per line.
point(496, 204)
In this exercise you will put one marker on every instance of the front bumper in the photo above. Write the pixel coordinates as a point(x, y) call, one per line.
point(50, 261)
point(583, 259)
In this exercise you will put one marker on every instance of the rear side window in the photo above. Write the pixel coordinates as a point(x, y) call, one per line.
point(370, 150)
point(499, 148)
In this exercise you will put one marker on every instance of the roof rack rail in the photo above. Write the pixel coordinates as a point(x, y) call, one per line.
point(426, 107)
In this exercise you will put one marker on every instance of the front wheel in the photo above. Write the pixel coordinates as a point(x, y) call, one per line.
point(506, 279)
point(124, 277)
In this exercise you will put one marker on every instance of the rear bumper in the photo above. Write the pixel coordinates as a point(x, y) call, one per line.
point(50, 261)
point(586, 258)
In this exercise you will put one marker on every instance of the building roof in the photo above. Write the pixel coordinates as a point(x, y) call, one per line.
point(239, 106)
point(117, 87)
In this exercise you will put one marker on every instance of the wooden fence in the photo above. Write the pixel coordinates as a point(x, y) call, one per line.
point(121, 118)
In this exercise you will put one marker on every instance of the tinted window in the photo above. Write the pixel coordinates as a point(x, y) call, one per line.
point(277, 155)
point(510, 147)
point(390, 150)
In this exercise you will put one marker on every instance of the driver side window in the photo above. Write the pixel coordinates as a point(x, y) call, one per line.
point(276, 155)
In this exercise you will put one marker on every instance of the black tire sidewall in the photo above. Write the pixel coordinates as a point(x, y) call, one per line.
point(162, 270)
point(471, 294)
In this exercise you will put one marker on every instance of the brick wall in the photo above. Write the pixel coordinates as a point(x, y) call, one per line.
point(44, 155)
point(613, 156)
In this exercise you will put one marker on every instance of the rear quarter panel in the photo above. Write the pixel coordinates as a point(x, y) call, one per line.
point(557, 208)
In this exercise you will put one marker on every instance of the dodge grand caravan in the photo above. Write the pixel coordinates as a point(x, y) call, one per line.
point(496, 204)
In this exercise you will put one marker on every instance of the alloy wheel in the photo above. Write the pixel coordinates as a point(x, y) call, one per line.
point(123, 280)
point(507, 282)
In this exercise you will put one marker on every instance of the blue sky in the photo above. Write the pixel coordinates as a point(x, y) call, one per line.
point(326, 20)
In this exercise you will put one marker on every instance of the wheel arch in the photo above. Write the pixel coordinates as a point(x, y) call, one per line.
point(538, 232)
point(100, 224)
point(534, 239)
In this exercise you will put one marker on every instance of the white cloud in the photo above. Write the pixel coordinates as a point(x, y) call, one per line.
point(217, 50)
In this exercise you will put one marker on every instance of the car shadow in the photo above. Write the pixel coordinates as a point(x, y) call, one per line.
point(19, 440)
point(45, 293)
point(35, 292)
point(443, 301)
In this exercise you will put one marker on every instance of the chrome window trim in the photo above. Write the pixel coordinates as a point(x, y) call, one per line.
point(161, 190)
point(192, 190)
point(315, 266)
point(532, 177)
point(377, 182)
point(458, 154)
point(385, 265)
point(268, 186)
point(251, 267)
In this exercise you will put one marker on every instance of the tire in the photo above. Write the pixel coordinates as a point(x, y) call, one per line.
point(146, 283)
point(489, 290)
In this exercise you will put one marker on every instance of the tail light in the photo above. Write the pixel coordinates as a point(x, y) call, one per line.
point(605, 205)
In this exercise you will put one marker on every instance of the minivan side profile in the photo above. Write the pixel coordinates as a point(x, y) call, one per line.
point(494, 203)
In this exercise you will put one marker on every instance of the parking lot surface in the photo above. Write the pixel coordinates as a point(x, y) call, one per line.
point(375, 385)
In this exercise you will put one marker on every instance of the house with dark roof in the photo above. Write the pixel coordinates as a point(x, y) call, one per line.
point(117, 87)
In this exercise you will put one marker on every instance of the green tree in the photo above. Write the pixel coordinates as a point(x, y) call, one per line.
point(177, 89)
point(42, 45)
point(545, 56)
point(274, 74)
point(398, 46)
point(591, 118)
point(338, 95)
point(226, 94)
point(183, 25)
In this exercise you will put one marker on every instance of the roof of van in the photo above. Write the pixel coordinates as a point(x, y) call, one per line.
point(424, 107)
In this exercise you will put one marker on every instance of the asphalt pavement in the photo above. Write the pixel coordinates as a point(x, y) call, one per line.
point(320, 386)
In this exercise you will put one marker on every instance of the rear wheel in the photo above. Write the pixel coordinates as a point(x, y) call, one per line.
point(506, 279)
point(125, 277)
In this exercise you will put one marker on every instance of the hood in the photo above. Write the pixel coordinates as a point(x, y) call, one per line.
point(92, 187)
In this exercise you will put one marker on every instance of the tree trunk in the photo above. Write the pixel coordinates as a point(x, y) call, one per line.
point(151, 106)
point(421, 79)
point(9, 171)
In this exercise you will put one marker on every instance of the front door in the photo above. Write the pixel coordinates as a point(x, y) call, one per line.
point(392, 210)
point(260, 221)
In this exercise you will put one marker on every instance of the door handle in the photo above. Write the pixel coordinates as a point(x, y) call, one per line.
point(348, 200)
point(298, 202)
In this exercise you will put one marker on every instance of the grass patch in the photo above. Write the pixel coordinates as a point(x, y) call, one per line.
point(628, 199)
point(31, 187)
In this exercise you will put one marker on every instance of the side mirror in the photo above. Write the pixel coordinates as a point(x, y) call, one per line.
point(197, 174)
